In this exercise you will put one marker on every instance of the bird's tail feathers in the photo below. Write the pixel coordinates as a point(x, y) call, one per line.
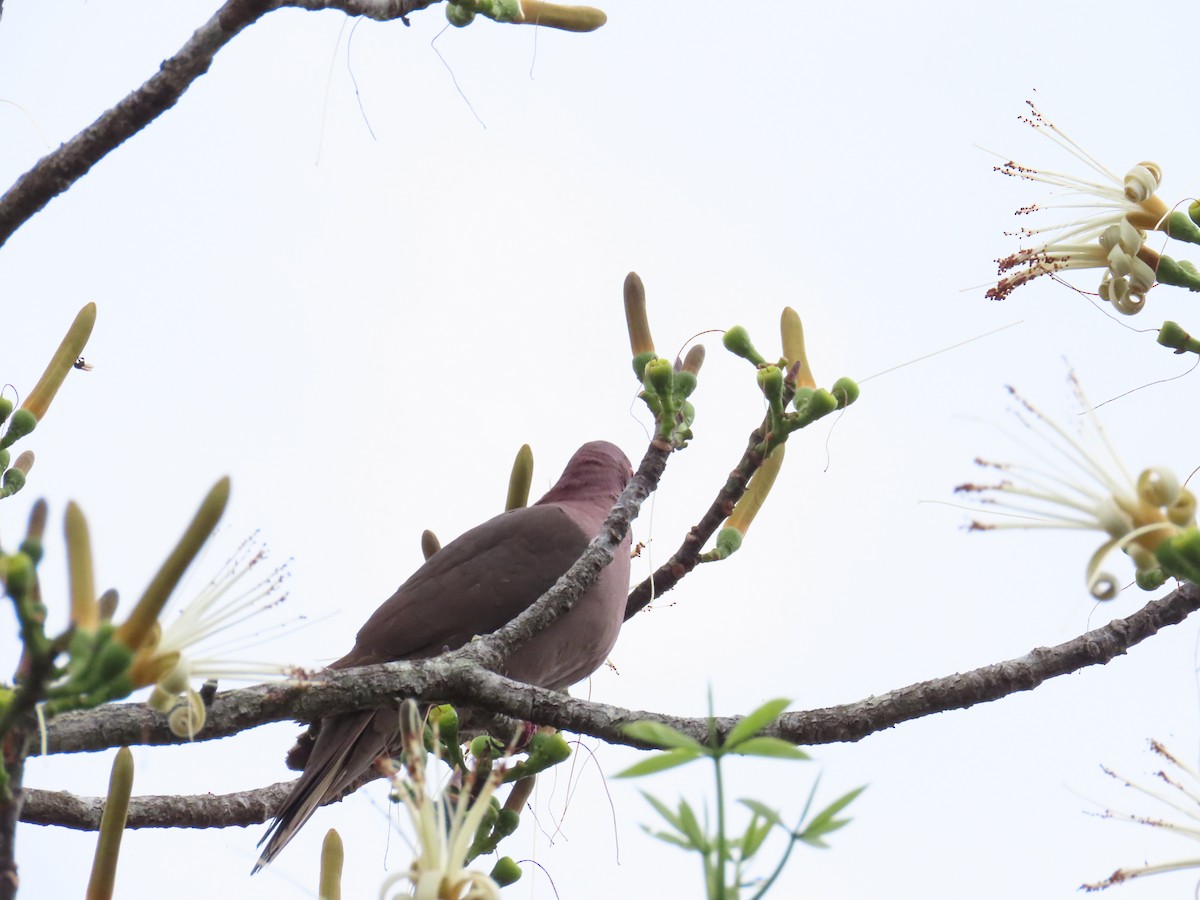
point(328, 773)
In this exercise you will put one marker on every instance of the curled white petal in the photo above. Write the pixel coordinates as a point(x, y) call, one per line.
point(1142, 181)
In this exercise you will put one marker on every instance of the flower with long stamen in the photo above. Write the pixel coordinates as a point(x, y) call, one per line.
point(201, 642)
point(1137, 516)
point(1185, 783)
point(1109, 234)
point(445, 824)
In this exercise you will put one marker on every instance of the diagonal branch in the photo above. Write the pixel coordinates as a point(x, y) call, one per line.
point(687, 556)
point(57, 171)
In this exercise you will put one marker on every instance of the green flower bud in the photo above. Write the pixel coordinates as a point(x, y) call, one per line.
point(507, 822)
point(820, 403)
point(1179, 555)
point(112, 660)
point(5, 456)
point(19, 575)
point(21, 424)
point(685, 383)
point(770, 382)
point(1150, 579)
point(481, 747)
point(1173, 336)
point(1194, 211)
point(728, 542)
point(660, 375)
point(1181, 227)
point(14, 480)
point(6, 408)
point(846, 391)
point(547, 750)
point(506, 871)
point(689, 414)
point(737, 342)
point(640, 362)
point(802, 397)
point(459, 16)
point(32, 545)
point(1179, 273)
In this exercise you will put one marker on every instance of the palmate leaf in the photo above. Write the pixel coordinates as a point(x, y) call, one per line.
point(662, 736)
point(752, 723)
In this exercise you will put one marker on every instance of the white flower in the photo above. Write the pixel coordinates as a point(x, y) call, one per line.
point(1187, 786)
point(1136, 516)
point(199, 643)
point(445, 823)
point(1110, 236)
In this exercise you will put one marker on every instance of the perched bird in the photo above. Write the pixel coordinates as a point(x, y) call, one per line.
point(474, 585)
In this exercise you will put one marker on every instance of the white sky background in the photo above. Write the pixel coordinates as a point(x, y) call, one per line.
point(362, 332)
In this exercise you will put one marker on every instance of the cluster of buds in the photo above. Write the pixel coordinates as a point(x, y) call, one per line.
point(665, 386)
point(789, 382)
point(459, 819)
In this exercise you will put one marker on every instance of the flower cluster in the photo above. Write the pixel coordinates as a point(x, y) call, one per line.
point(1110, 235)
point(199, 643)
point(1185, 800)
point(445, 819)
point(1136, 515)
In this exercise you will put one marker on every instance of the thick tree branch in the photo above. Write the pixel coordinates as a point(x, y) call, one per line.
point(467, 684)
point(57, 171)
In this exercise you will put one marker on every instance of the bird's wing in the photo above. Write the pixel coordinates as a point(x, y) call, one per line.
point(474, 585)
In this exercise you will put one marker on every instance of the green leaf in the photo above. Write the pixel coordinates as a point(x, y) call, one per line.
point(773, 747)
point(755, 722)
point(824, 822)
point(669, 838)
point(763, 811)
point(691, 827)
point(665, 811)
point(662, 736)
point(668, 759)
point(755, 834)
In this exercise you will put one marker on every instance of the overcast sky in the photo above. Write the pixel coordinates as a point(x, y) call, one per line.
point(358, 265)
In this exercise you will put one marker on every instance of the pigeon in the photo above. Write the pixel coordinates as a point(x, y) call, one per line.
point(472, 586)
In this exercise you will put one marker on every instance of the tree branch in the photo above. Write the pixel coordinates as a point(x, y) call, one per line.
point(687, 556)
point(376, 686)
point(57, 171)
point(492, 651)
